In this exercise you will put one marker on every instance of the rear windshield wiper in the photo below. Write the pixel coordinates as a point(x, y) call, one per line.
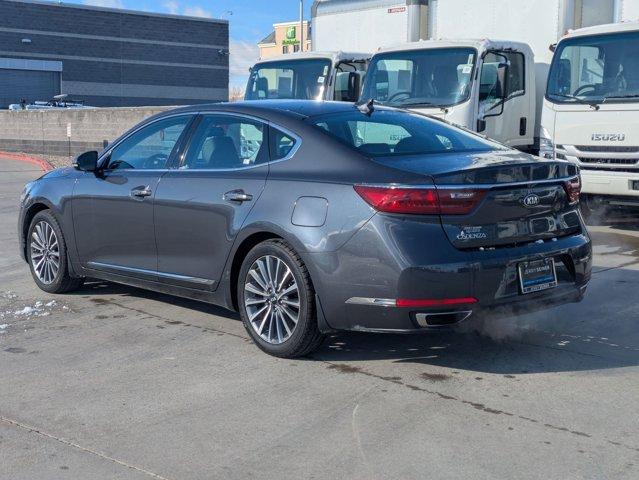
point(592, 103)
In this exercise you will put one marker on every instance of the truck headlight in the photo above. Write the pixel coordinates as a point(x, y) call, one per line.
point(546, 145)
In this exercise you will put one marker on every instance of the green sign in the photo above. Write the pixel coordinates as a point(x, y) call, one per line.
point(291, 33)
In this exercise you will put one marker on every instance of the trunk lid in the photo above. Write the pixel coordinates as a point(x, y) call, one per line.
point(523, 197)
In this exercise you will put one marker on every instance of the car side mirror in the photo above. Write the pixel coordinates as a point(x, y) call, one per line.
point(87, 161)
point(481, 125)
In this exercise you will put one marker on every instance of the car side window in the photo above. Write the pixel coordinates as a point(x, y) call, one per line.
point(223, 142)
point(150, 147)
point(281, 144)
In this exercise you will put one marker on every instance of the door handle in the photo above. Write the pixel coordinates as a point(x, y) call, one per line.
point(141, 192)
point(237, 196)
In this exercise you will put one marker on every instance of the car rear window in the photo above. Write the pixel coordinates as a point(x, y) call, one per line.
point(396, 133)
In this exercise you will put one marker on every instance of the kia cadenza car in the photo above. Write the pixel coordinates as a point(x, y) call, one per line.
point(311, 217)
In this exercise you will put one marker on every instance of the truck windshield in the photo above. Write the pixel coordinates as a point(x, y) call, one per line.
point(390, 133)
point(293, 79)
point(438, 77)
point(595, 69)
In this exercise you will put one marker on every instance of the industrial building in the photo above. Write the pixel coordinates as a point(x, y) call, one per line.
point(110, 57)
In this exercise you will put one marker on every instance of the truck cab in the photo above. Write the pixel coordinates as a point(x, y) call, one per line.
point(487, 86)
point(308, 76)
point(591, 110)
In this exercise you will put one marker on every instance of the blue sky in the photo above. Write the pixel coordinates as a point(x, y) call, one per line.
point(250, 21)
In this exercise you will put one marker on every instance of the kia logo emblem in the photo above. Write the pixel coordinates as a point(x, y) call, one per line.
point(531, 200)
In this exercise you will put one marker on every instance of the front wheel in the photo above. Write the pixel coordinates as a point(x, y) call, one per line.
point(277, 301)
point(47, 255)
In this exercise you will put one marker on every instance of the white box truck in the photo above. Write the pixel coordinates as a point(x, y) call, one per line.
point(591, 110)
point(308, 76)
point(369, 24)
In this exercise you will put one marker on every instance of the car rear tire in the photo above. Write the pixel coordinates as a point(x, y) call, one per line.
point(277, 301)
point(47, 255)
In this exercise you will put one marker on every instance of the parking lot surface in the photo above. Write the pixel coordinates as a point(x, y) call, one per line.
point(119, 383)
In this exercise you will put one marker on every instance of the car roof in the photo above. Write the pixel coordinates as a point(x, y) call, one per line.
point(292, 108)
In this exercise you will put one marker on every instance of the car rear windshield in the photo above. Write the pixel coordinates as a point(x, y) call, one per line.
point(393, 133)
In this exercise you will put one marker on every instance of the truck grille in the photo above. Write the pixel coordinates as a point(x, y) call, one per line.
point(608, 161)
point(610, 158)
point(606, 149)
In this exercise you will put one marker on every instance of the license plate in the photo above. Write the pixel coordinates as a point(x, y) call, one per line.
point(537, 275)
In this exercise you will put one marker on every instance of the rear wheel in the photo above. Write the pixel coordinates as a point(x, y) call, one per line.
point(47, 255)
point(277, 301)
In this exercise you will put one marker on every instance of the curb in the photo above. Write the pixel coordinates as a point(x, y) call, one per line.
point(21, 157)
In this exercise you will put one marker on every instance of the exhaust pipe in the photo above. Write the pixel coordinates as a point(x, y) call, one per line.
point(429, 320)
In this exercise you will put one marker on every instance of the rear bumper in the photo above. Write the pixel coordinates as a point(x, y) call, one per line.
point(601, 182)
point(383, 263)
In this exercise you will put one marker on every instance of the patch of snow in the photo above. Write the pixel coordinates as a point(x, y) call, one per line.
point(25, 311)
point(4, 326)
point(52, 303)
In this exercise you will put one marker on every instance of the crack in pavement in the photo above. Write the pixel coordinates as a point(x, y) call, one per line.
point(76, 446)
point(629, 264)
point(345, 368)
point(169, 321)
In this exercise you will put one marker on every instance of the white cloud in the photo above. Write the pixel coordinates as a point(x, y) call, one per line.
point(105, 3)
point(171, 6)
point(197, 12)
point(175, 8)
point(243, 56)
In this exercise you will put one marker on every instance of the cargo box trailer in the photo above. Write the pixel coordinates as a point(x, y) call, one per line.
point(370, 24)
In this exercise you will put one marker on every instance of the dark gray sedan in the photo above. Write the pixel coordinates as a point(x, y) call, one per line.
point(309, 217)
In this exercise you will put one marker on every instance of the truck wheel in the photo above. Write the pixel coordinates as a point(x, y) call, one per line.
point(277, 301)
point(47, 255)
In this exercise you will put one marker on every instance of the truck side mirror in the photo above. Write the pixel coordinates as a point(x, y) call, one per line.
point(354, 86)
point(481, 125)
point(502, 80)
point(261, 85)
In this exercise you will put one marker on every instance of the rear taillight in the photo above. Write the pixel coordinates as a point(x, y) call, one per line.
point(573, 189)
point(391, 199)
point(420, 201)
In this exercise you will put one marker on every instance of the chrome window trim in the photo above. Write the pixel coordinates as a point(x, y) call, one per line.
point(119, 141)
point(270, 124)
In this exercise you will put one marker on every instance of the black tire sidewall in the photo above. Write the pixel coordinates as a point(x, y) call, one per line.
point(58, 284)
point(306, 317)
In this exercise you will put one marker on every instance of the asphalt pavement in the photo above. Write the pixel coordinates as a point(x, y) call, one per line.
point(113, 382)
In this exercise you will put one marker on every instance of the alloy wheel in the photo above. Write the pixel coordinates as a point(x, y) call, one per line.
point(272, 299)
point(45, 252)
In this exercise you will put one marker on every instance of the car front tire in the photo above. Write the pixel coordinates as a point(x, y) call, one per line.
point(277, 301)
point(47, 255)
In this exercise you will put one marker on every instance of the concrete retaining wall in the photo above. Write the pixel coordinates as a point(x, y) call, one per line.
point(44, 132)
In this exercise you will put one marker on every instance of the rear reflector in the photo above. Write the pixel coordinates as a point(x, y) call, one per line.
point(573, 189)
point(441, 302)
point(420, 201)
